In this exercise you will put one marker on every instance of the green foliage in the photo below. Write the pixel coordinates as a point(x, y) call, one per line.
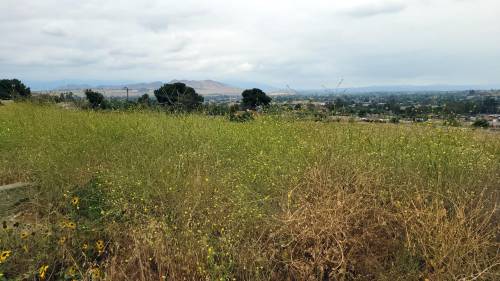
point(67, 97)
point(240, 116)
point(44, 99)
point(215, 109)
point(394, 120)
point(178, 96)
point(253, 98)
point(481, 123)
point(452, 122)
point(95, 99)
point(234, 107)
point(92, 201)
point(13, 88)
point(144, 100)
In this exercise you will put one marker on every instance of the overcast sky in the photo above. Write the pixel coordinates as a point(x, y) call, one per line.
point(300, 43)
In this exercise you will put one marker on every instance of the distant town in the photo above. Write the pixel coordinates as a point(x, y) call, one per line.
point(453, 107)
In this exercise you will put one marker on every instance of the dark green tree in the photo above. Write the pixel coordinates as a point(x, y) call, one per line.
point(144, 99)
point(178, 95)
point(95, 99)
point(253, 98)
point(481, 123)
point(13, 88)
point(66, 97)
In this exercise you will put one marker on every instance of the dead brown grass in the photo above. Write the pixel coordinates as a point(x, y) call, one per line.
point(335, 225)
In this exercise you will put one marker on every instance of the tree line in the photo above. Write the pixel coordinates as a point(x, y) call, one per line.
point(176, 96)
point(180, 97)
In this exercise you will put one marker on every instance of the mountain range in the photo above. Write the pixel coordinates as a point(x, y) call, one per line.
point(211, 87)
point(203, 87)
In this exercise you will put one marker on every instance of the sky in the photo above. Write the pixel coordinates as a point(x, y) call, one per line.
point(304, 44)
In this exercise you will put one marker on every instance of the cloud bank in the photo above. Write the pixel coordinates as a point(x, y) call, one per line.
point(299, 43)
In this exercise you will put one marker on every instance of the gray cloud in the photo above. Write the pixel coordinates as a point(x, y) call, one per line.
point(54, 30)
point(304, 44)
point(375, 9)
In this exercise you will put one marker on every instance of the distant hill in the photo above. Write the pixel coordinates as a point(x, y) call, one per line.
point(210, 87)
point(203, 87)
point(145, 86)
point(136, 86)
point(400, 89)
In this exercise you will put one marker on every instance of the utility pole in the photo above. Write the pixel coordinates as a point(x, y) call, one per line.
point(126, 88)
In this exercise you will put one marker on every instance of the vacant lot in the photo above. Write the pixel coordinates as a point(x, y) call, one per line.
point(151, 196)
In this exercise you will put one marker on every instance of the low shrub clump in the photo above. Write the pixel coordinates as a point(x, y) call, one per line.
point(240, 116)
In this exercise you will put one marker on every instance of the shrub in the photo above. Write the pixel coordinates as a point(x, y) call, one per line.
point(234, 107)
point(67, 97)
point(481, 123)
point(216, 109)
point(144, 100)
point(452, 122)
point(240, 116)
point(44, 99)
point(394, 120)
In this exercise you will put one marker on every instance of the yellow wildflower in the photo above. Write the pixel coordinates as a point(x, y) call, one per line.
point(95, 273)
point(71, 271)
point(62, 223)
point(85, 246)
point(71, 225)
point(75, 200)
point(4, 255)
point(99, 246)
point(62, 240)
point(42, 271)
point(24, 234)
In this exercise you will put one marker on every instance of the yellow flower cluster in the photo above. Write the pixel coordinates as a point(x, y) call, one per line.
point(99, 245)
point(4, 255)
point(68, 224)
point(42, 272)
point(95, 273)
point(71, 271)
point(24, 235)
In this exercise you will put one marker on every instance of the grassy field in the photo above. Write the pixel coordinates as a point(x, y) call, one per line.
point(151, 196)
